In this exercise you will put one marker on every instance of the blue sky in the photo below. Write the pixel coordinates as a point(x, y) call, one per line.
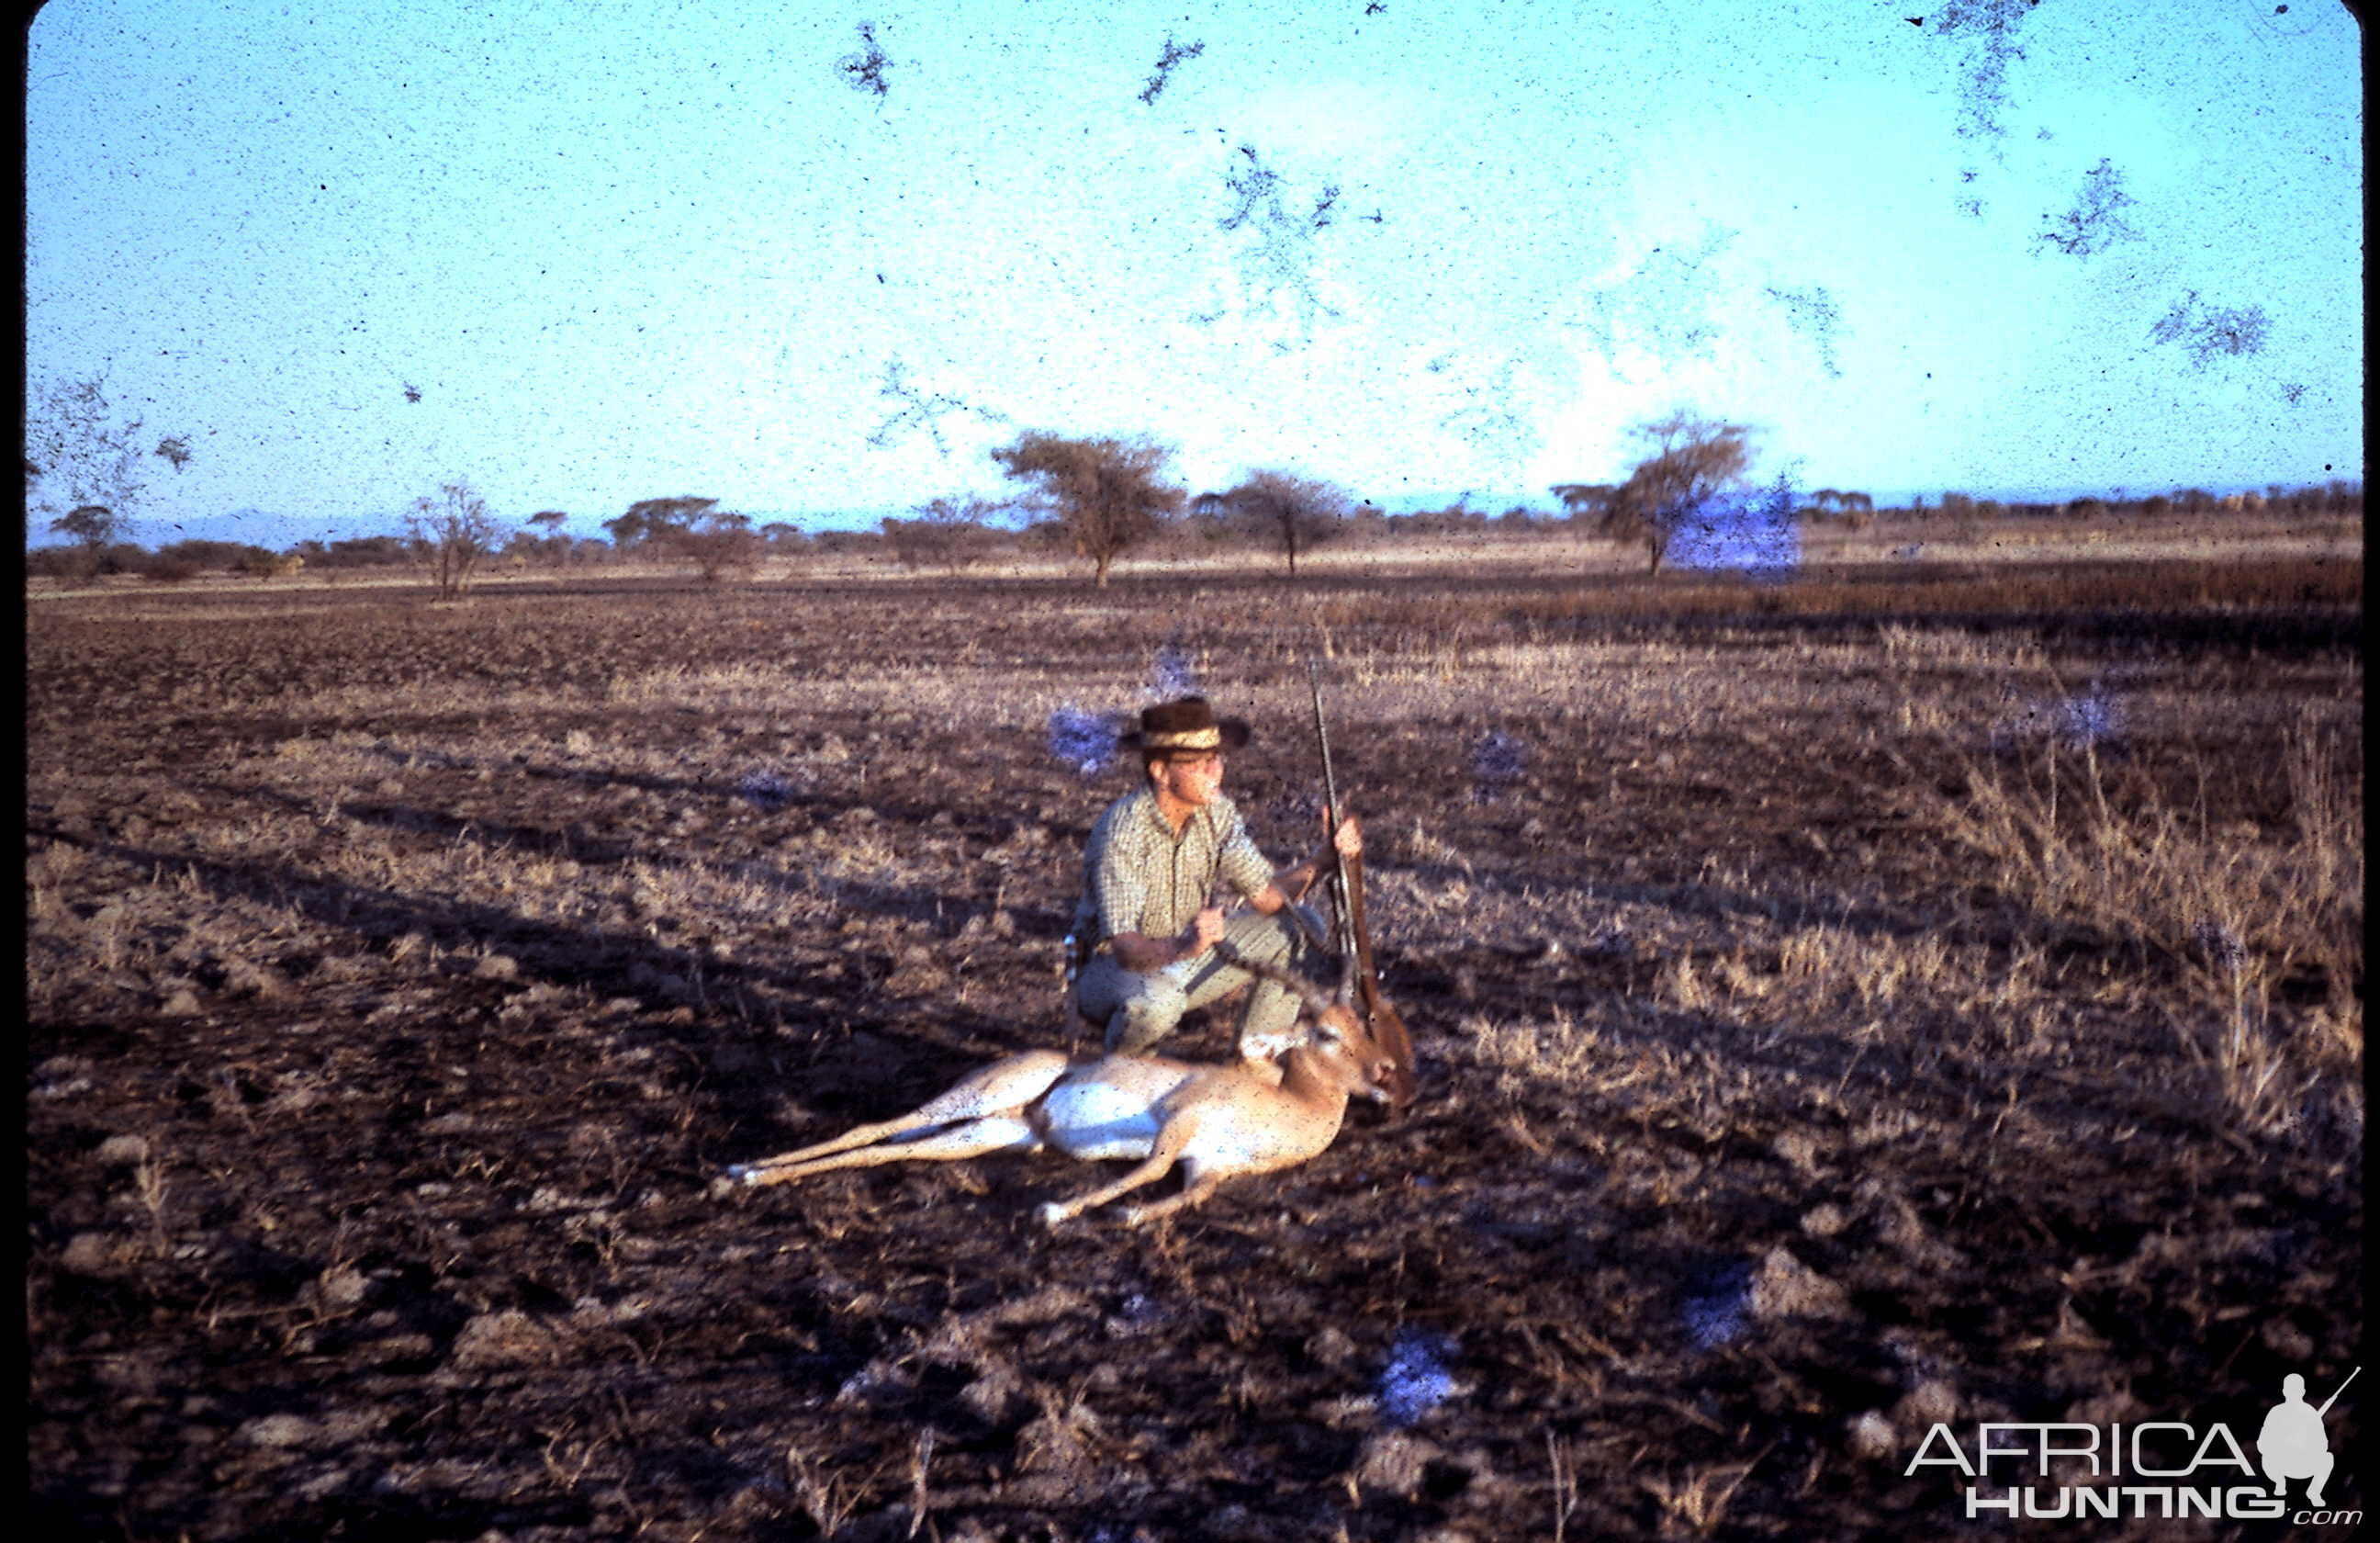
point(1423, 250)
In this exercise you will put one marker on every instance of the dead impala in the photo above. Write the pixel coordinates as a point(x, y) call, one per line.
point(1215, 1121)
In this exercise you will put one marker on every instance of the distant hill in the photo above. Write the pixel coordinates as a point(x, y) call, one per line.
point(252, 526)
point(255, 526)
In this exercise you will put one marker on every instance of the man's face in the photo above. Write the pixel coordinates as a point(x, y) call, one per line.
point(1192, 779)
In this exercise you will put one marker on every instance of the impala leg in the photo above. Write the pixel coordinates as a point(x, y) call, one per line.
point(996, 1133)
point(1166, 1152)
point(858, 1136)
point(1196, 1192)
point(1002, 1087)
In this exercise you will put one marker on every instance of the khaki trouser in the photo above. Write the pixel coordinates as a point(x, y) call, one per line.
point(1139, 1010)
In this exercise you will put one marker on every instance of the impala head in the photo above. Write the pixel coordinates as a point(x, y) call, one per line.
point(1386, 1048)
point(1368, 1065)
point(1340, 1036)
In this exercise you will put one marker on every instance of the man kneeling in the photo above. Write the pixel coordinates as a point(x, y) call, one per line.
point(1156, 858)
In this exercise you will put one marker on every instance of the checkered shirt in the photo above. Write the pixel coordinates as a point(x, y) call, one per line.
point(1139, 877)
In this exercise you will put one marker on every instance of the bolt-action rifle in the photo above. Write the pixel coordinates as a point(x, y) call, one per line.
point(1387, 1026)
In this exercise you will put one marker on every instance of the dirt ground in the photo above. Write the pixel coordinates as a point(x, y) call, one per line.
point(401, 977)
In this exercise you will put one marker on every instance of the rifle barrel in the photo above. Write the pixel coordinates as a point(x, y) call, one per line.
point(1331, 818)
point(1322, 736)
point(2334, 1397)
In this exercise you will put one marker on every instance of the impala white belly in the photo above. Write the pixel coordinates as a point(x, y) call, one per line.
point(1093, 1120)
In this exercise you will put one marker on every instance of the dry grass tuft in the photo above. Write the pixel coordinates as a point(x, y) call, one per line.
point(2234, 914)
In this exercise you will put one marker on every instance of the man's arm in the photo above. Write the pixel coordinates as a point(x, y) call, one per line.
point(1141, 953)
point(1289, 884)
point(1288, 887)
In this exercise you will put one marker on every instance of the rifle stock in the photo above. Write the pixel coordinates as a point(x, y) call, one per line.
point(1387, 1025)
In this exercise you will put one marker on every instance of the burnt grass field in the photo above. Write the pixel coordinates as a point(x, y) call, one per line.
point(1843, 1006)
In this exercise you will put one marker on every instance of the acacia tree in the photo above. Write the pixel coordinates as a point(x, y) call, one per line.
point(1584, 500)
point(544, 538)
point(1853, 508)
point(626, 532)
point(453, 532)
point(90, 455)
point(717, 541)
point(655, 520)
point(1289, 514)
point(1107, 495)
point(1694, 461)
point(91, 525)
point(948, 532)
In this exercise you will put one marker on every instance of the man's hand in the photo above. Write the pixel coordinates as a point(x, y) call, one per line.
point(1205, 931)
point(1347, 842)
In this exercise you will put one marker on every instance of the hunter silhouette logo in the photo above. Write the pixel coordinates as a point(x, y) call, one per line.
point(2162, 1470)
point(2293, 1442)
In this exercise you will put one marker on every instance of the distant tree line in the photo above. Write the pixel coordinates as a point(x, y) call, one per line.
point(1275, 514)
point(1094, 499)
point(2336, 498)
